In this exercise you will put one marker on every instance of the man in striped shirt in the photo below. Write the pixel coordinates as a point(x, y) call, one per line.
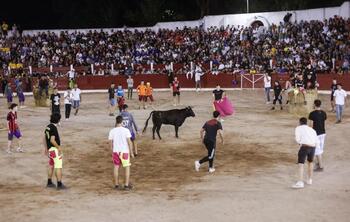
point(13, 129)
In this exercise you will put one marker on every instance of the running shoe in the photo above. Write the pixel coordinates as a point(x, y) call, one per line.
point(51, 185)
point(128, 187)
point(20, 150)
point(309, 181)
point(298, 185)
point(197, 165)
point(211, 170)
point(62, 187)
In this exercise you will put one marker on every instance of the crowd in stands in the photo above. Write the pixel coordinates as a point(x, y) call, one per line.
point(320, 46)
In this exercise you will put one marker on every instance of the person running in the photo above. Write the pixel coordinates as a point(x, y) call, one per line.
point(68, 97)
point(76, 92)
point(129, 123)
point(149, 92)
point(307, 139)
point(318, 118)
point(120, 97)
point(20, 94)
point(176, 91)
point(130, 83)
point(333, 89)
point(210, 129)
point(9, 94)
point(13, 129)
point(277, 89)
point(112, 101)
point(141, 91)
point(53, 150)
point(55, 102)
point(218, 93)
point(340, 99)
point(121, 145)
point(267, 87)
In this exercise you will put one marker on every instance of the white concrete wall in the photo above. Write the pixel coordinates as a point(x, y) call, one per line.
point(267, 18)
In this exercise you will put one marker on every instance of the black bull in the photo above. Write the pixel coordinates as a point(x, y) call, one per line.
point(175, 117)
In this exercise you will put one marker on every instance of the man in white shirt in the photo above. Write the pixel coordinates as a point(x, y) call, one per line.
point(68, 97)
point(120, 142)
point(340, 98)
point(267, 86)
point(76, 93)
point(197, 77)
point(307, 138)
point(71, 74)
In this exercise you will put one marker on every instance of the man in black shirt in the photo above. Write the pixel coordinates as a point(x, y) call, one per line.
point(277, 89)
point(318, 118)
point(334, 87)
point(218, 93)
point(112, 101)
point(55, 102)
point(210, 128)
point(53, 150)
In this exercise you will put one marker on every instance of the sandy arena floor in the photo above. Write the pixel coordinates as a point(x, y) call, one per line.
point(254, 169)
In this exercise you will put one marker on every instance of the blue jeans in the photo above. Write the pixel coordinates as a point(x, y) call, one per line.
point(339, 111)
point(267, 93)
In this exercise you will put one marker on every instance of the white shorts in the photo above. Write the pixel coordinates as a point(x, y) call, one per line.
point(319, 148)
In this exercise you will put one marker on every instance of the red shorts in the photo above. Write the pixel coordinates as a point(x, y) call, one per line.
point(121, 159)
point(150, 98)
point(142, 98)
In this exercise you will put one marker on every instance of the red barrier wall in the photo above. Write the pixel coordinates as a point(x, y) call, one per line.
point(208, 81)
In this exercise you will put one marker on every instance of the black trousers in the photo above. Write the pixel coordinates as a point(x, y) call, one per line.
point(210, 145)
point(277, 98)
point(68, 108)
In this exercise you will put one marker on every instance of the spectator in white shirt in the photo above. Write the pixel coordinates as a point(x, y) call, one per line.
point(76, 92)
point(197, 77)
point(307, 138)
point(340, 98)
point(267, 86)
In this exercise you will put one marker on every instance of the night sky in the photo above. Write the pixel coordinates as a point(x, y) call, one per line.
point(50, 14)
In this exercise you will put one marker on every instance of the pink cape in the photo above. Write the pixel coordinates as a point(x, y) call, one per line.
point(224, 107)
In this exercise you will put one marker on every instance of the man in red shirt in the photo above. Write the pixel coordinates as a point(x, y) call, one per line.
point(13, 129)
point(176, 91)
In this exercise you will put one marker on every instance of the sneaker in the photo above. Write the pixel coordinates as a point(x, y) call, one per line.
point(62, 187)
point(211, 170)
point(20, 150)
point(273, 108)
point(197, 165)
point(309, 181)
point(298, 185)
point(51, 185)
point(222, 120)
point(338, 121)
point(128, 187)
point(281, 108)
point(318, 169)
point(117, 187)
point(9, 151)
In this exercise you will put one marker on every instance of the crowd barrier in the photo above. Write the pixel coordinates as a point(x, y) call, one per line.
point(207, 81)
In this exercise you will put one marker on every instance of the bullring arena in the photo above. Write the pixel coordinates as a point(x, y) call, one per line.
point(255, 168)
point(306, 51)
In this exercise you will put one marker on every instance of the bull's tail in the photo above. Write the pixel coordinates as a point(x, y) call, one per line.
point(144, 129)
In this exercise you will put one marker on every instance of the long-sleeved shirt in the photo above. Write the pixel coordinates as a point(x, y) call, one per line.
point(306, 135)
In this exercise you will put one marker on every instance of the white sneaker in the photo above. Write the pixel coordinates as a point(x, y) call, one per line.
point(8, 151)
point(222, 120)
point(309, 181)
point(211, 170)
point(20, 150)
point(298, 185)
point(197, 165)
